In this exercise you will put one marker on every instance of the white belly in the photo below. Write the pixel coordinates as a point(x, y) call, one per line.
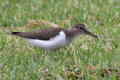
point(54, 43)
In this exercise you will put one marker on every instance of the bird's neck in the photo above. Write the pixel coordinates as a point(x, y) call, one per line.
point(72, 35)
point(73, 32)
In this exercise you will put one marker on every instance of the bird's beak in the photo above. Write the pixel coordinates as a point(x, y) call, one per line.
point(91, 34)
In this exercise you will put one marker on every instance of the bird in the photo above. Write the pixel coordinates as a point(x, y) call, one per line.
point(50, 39)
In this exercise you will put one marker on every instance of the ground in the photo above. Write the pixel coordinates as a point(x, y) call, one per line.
point(87, 58)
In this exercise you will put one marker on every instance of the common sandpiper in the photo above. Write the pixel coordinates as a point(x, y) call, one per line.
point(53, 38)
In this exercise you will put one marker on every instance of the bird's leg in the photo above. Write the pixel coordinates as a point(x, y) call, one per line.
point(47, 51)
point(71, 45)
point(60, 52)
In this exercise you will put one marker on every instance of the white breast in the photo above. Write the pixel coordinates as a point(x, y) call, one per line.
point(54, 43)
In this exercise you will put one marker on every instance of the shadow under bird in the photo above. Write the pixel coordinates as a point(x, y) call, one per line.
point(53, 38)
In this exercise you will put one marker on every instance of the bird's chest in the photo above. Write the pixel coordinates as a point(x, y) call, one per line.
point(70, 39)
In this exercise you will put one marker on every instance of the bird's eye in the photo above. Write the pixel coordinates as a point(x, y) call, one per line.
point(80, 27)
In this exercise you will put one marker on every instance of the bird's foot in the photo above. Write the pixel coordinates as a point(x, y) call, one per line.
point(47, 51)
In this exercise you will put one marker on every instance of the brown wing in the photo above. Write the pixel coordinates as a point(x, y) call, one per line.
point(42, 34)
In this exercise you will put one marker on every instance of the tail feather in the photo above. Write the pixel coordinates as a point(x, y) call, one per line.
point(20, 34)
point(15, 33)
point(11, 33)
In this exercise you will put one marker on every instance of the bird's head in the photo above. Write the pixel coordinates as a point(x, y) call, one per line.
point(81, 29)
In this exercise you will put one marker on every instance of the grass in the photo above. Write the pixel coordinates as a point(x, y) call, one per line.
point(87, 59)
